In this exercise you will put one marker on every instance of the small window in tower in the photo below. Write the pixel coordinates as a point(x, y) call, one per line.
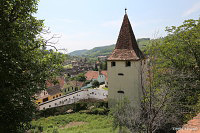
point(113, 63)
point(128, 63)
point(120, 74)
point(122, 92)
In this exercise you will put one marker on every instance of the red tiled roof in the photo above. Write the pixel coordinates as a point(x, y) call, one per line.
point(61, 83)
point(192, 126)
point(94, 74)
point(91, 75)
point(126, 47)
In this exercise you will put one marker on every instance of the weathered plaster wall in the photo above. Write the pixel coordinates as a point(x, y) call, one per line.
point(129, 82)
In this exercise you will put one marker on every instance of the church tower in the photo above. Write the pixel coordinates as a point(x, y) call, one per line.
point(125, 67)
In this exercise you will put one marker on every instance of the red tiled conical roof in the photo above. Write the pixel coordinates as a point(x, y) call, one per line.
point(126, 47)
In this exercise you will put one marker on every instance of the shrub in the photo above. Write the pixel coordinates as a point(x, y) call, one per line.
point(99, 111)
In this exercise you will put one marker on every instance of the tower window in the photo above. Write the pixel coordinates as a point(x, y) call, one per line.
point(120, 74)
point(120, 92)
point(128, 63)
point(113, 64)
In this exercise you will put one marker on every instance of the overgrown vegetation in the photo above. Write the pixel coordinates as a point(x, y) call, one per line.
point(91, 124)
point(24, 63)
point(93, 114)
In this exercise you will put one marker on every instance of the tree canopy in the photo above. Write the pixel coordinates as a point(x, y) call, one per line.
point(24, 65)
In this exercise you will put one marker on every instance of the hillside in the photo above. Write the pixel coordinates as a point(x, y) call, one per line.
point(78, 52)
point(105, 50)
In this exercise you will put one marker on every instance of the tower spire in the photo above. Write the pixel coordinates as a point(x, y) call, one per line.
point(125, 10)
point(126, 47)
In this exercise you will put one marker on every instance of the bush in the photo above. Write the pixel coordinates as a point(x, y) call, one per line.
point(101, 83)
point(95, 83)
point(99, 111)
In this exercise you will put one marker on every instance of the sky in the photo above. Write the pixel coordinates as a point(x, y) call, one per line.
point(85, 24)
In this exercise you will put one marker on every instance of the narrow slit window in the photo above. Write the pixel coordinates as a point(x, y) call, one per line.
point(113, 64)
point(128, 63)
point(121, 92)
point(120, 74)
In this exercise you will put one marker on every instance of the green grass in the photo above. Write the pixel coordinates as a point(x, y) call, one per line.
point(105, 88)
point(93, 123)
point(68, 66)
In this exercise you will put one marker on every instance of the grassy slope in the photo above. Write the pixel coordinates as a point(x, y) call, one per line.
point(94, 123)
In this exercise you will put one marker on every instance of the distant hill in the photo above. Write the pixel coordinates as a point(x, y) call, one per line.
point(105, 50)
point(99, 51)
point(78, 52)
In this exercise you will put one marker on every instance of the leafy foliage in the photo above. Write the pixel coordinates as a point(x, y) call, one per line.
point(175, 70)
point(180, 53)
point(24, 65)
point(95, 83)
point(80, 77)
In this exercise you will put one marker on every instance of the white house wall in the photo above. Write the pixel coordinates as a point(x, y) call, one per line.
point(101, 78)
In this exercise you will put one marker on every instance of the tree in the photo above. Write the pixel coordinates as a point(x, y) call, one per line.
point(24, 65)
point(95, 83)
point(81, 77)
point(174, 63)
point(181, 53)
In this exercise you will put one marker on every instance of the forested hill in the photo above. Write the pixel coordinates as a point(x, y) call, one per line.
point(105, 50)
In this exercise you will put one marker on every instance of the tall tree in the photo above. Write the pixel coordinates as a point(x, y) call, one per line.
point(180, 53)
point(24, 66)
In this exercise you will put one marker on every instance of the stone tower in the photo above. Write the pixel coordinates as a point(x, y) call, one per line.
point(125, 67)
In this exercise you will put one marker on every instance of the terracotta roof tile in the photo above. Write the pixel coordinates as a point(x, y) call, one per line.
point(61, 82)
point(126, 47)
point(91, 75)
point(192, 126)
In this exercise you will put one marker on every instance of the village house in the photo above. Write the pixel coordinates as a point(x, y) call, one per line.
point(72, 86)
point(52, 91)
point(48, 94)
point(100, 76)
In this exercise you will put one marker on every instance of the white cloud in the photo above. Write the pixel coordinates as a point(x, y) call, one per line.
point(194, 8)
